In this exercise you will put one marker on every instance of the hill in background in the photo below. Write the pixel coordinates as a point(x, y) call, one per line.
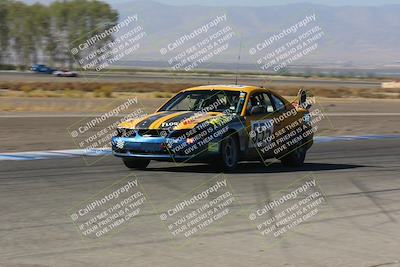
point(353, 34)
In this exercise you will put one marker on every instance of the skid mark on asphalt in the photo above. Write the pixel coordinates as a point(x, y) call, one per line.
point(364, 188)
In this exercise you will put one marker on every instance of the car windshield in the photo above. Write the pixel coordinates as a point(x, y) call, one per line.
point(202, 100)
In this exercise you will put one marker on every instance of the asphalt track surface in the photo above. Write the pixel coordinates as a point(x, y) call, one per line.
point(358, 227)
point(188, 78)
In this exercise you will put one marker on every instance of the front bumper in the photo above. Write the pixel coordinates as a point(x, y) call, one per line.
point(156, 148)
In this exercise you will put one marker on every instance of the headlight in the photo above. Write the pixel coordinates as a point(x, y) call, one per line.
point(181, 134)
point(189, 141)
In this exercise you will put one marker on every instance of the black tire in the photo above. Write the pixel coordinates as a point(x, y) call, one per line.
point(295, 158)
point(140, 164)
point(229, 154)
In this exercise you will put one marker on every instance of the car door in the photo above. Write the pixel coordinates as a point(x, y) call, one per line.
point(286, 119)
point(259, 123)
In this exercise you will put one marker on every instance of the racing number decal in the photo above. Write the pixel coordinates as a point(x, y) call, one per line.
point(260, 133)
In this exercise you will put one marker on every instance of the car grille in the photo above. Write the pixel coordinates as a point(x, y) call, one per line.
point(149, 133)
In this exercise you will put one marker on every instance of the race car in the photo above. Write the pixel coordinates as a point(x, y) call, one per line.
point(220, 125)
point(65, 73)
point(40, 68)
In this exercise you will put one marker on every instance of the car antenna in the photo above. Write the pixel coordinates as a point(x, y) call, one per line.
point(238, 61)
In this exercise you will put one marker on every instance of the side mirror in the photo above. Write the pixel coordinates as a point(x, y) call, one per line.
point(256, 110)
point(302, 95)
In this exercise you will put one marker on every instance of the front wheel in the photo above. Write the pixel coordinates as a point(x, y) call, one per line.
point(295, 158)
point(229, 154)
point(140, 164)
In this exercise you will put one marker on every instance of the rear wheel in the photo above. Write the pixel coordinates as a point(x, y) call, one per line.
point(140, 164)
point(229, 154)
point(296, 157)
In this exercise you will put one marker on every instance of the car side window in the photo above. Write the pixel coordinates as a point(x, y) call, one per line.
point(279, 105)
point(262, 100)
point(269, 105)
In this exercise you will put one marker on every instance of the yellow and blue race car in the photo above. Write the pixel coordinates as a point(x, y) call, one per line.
point(221, 125)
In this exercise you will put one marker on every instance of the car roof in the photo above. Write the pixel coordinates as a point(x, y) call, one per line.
point(228, 87)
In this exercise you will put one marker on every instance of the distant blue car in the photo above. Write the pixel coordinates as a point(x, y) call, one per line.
point(40, 68)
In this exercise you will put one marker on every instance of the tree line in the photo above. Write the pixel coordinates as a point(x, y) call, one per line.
point(40, 33)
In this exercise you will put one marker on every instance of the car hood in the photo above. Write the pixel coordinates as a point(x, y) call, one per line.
point(172, 120)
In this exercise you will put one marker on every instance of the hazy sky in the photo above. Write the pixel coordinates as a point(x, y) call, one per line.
point(253, 2)
point(278, 2)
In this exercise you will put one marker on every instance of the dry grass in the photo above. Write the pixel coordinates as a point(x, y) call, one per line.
point(95, 86)
point(340, 92)
point(165, 90)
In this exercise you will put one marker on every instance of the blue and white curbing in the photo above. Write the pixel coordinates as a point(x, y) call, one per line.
point(73, 153)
